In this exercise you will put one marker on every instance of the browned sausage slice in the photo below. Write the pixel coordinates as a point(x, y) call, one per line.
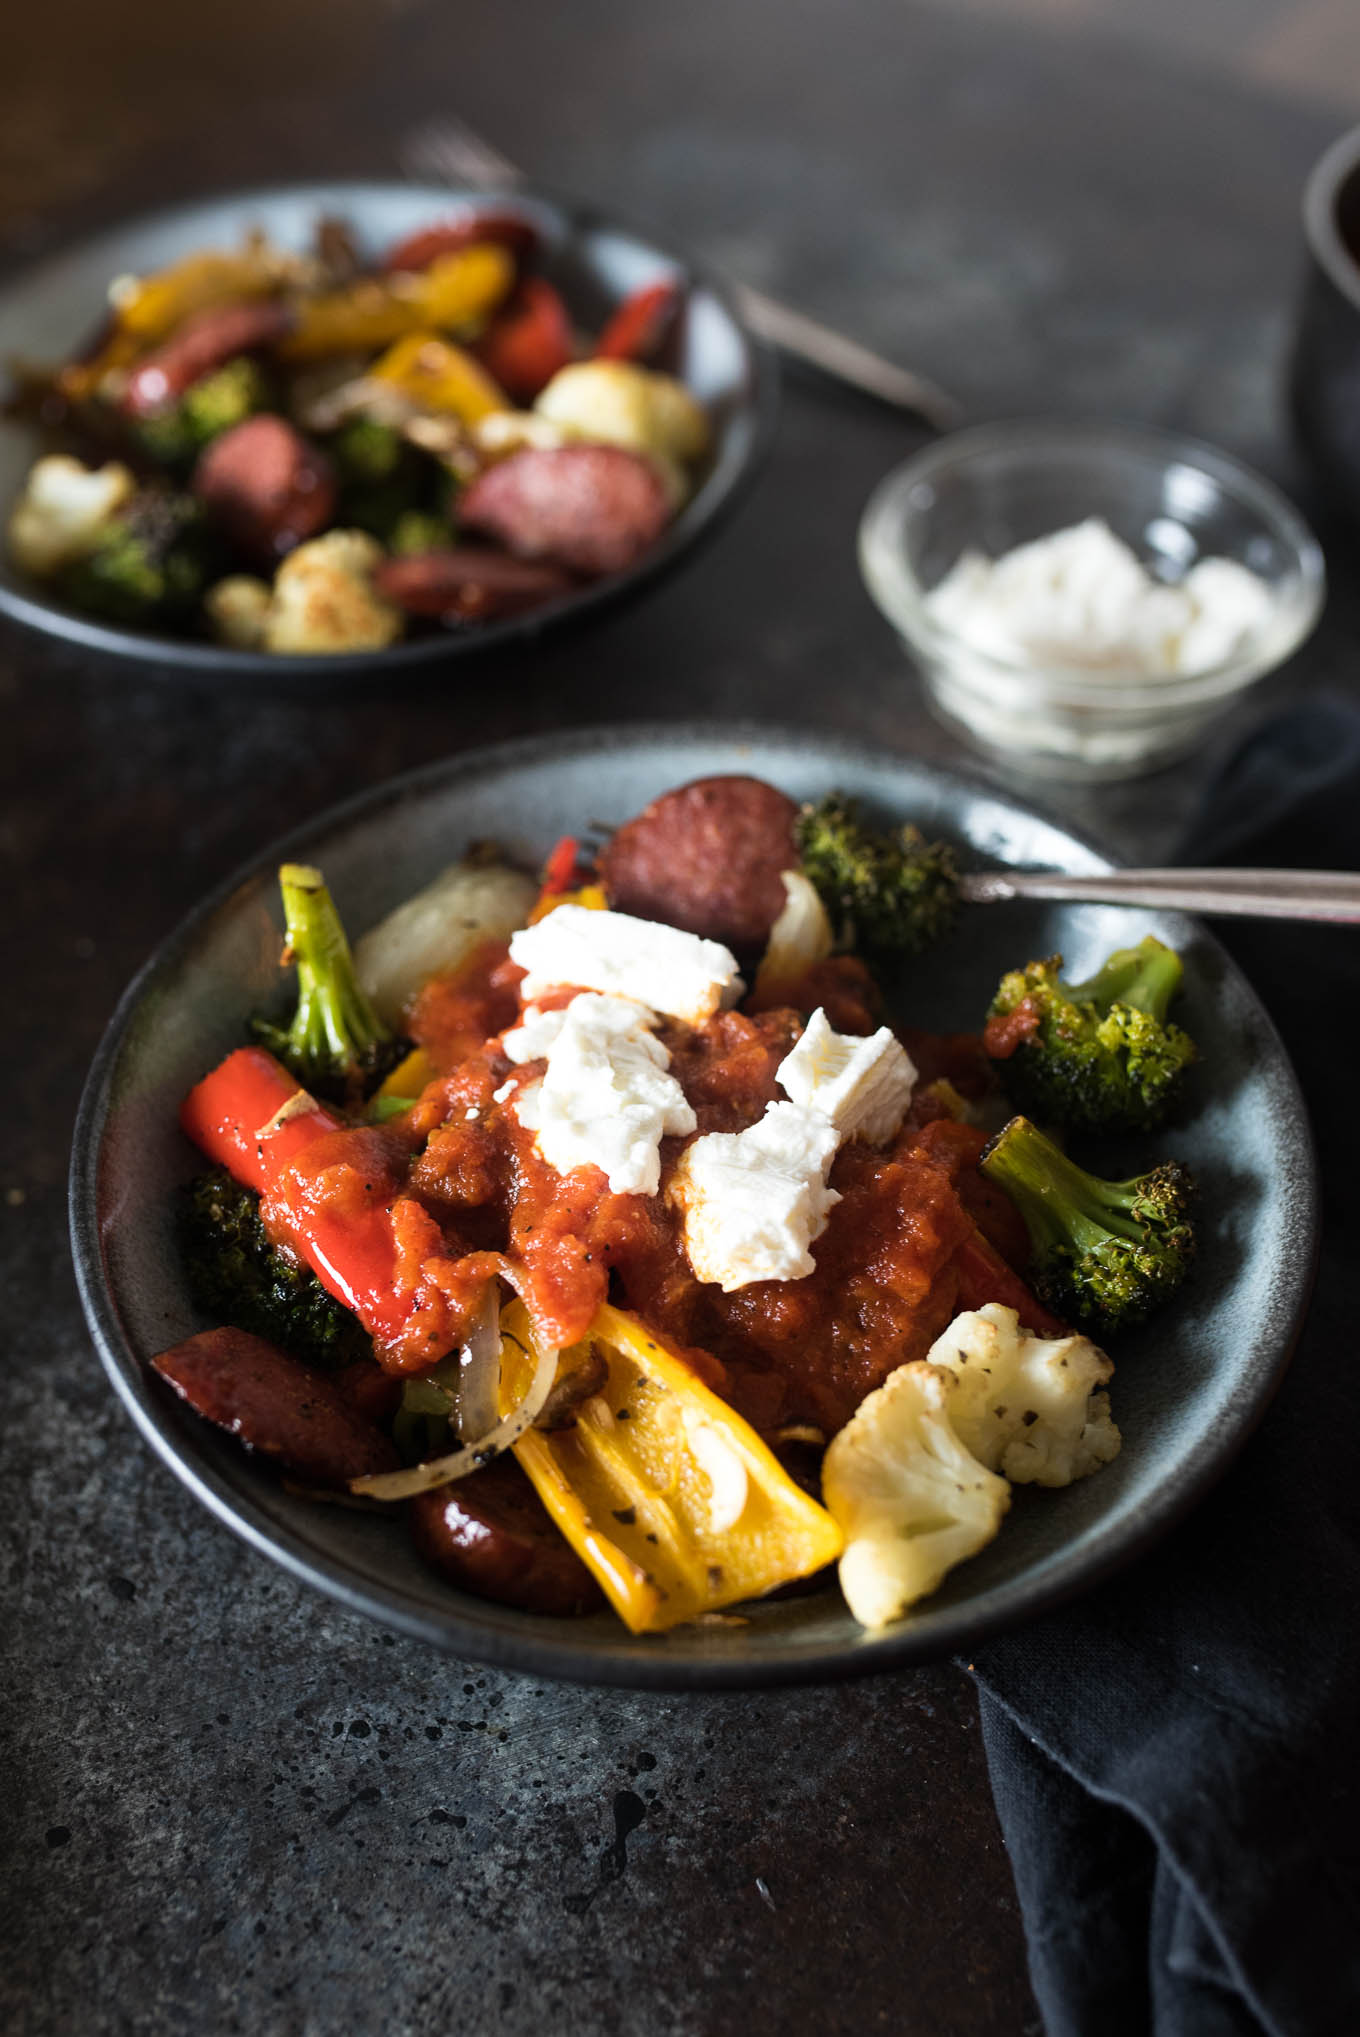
point(267, 487)
point(371, 1392)
point(508, 229)
point(490, 1533)
point(469, 583)
point(201, 344)
point(706, 857)
point(593, 508)
point(275, 1405)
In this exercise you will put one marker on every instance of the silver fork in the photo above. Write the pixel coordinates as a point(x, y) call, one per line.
point(447, 151)
point(1332, 896)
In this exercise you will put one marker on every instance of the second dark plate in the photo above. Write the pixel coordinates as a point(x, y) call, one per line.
point(596, 260)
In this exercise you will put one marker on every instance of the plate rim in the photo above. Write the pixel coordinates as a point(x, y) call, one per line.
point(964, 1626)
point(201, 661)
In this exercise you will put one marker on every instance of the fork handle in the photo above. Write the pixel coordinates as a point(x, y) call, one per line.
point(1327, 895)
point(793, 332)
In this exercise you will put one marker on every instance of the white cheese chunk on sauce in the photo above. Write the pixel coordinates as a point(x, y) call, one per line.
point(862, 1085)
point(607, 1097)
point(752, 1203)
point(659, 966)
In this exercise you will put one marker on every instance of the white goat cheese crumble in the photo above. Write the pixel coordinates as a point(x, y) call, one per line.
point(606, 1098)
point(862, 1085)
point(668, 970)
point(752, 1202)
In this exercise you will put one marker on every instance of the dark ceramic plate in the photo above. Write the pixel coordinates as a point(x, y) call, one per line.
point(595, 260)
point(1186, 1391)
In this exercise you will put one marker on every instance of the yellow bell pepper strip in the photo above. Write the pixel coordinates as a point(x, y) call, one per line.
point(146, 309)
point(401, 1091)
point(410, 1076)
point(589, 895)
point(664, 1492)
point(437, 375)
point(458, 292)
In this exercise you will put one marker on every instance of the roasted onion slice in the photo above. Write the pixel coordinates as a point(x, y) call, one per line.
point(392, 1485)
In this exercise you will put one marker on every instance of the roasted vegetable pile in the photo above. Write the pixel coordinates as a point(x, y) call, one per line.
point(634, 1286)
point(313, 453)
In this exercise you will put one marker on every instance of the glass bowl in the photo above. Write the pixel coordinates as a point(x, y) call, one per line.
point(1172, 499)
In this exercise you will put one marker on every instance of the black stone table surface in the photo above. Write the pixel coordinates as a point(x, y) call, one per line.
point(228, 1806)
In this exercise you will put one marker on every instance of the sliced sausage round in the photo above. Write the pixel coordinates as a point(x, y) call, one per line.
point(594, 509)
point(266, 486)
point(469, 583)
point(371, 1392)
point(202, 343)
point(276, 1405)
point(417, 250)
point(706, 857)
point(491, 1534)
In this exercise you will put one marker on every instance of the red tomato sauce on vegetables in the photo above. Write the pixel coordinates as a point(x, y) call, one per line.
point(452, 1015)
point(466, 1197)
point(1007, 1030)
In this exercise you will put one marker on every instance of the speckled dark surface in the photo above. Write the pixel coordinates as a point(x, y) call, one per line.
point(226, 1806)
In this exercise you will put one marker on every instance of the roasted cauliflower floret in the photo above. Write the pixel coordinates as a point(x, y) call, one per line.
point(63, 511)
point(908, 1496)
point(1026, 1406)
point(617, 403)
point(237, 609)
point(324, 599)
point(502, 432)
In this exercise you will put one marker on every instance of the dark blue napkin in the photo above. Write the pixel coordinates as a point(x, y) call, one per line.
point(1176, 1759)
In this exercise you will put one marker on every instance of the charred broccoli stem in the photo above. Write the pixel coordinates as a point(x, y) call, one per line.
point(887, 891)
point(1106, 1253)
point(1098, 1056)
point(217, 401)
point(335, 1044)
point(236, 1275)
point(152, 562)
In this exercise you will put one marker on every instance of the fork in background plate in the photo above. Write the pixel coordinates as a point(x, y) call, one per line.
point(450, 152)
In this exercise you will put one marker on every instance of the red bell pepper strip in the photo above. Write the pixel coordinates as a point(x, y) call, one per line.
point(417, 250)
point(231, 1114)
point(245, 1118)
point(559, 872)
point(527, 342)
point(640, 324)
point(984, 1276)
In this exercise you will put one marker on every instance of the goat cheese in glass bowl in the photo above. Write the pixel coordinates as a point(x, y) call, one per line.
point(1085, 600)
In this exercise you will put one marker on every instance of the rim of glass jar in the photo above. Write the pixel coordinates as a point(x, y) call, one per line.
point(900, 596)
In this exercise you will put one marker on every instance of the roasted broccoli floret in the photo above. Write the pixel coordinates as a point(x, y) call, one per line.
point(388, 485)
point(1098, 1056)
point(237, 1276)
point(151, 563)
point(213, 404)
point(336, 1044)
point(1106, 1253)
point(888, 891)
point(420, 530)
point(366, 451)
